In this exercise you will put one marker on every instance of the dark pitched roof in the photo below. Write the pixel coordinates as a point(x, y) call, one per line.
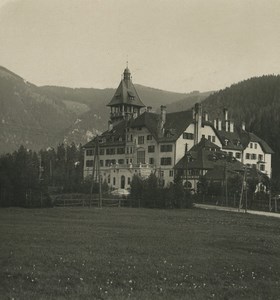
point(175, 125)
point(233, 138)
point(126, 94)
point(206, 156)
point(205, 144)
point(148, 120)
point(116, 136)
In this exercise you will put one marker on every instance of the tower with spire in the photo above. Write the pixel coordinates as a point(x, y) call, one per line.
point(125, 103)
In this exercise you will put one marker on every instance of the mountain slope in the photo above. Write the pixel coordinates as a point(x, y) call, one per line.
point(188, 101)
point(257, 102)
point(39, 117)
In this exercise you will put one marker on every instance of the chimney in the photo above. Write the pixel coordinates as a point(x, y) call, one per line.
point(231, 126)
point(243, 126)
point(225, 114)
point(162, 116)
point(206, 116)
point(149, 108)
point(219, 124)
point(215, 123)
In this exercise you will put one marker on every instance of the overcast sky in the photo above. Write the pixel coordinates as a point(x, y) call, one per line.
point(177, 45)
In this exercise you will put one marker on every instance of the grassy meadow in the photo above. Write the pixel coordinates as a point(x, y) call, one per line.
point(122, 253)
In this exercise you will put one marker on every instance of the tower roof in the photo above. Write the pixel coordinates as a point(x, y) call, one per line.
point(126, 92)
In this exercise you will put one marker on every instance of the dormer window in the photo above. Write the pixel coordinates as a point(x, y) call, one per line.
point(226, 142)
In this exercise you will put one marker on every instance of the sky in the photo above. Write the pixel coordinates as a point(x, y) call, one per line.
point(176, 45)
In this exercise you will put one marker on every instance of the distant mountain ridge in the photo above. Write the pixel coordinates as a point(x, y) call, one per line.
point(39, 117)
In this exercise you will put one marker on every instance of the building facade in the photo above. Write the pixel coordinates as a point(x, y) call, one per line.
point(139, 141)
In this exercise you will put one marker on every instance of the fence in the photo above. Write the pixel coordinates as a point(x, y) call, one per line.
point(256, 202)
point(85, 200)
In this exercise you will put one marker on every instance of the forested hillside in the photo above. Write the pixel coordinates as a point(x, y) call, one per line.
point(257, 102)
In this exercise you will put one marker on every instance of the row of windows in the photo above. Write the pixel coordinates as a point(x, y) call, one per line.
point(165, 148)
point(253, 145)
point(188, 136)
point(262, 166)
point(109, 151)
point(164, 161)
point(141, 139)
point(114, 180)
point(108, 162)
point(211, 138)
point(254, 156)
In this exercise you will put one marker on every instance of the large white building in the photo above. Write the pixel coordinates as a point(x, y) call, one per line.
point(139, 141)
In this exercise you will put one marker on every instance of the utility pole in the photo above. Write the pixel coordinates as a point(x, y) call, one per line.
point(269, 204)
point(242, 189)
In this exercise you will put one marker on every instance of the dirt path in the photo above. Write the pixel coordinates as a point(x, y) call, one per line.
point(253, 212)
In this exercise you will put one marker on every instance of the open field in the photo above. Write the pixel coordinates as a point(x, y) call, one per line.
point(81, 253)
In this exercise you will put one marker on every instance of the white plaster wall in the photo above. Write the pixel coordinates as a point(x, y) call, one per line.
point(258, 150)
point(208, 130)
point(181, 143)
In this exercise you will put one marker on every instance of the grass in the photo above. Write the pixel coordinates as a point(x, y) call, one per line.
point(81, 253)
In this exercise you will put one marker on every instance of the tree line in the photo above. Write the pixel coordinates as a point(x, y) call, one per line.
point(26, 176)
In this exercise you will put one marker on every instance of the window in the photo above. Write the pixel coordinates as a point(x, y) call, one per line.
point(165, 161)
point(89, 152)
point(226, 142)
point(128, 180)
point(121, 161)
point(203, 136)
point(110, 151)
point(166, 148)
point(209, 138)
point(89, 163)
point(151, 161)
point(151, 149)
point(253, 156)
point(140, 139)
point(101, 162)
point(101, 151)
point(109, 179)
point(260, 157)
point(141, 157)
point(107, 162)
point(256, 145)
point(262, 168)
point(114, 180)
point(213, 139)
point(171, 173)
point(149, 137)
point(247, 155)
point(120, 150)
point(230, 153)
point(238, 155)
point(251, 145)
point(187, 136)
